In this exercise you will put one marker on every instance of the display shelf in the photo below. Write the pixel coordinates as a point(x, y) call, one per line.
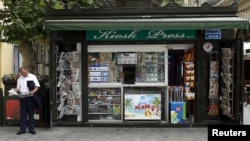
point(213, 96)
point(104, 85)
point(226, 97)
point(104, 103)
point(99, 74)
point(68, 86)
point(126, 68)
point(151, 68)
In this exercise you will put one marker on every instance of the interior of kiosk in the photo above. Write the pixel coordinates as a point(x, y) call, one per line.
point(150, 89)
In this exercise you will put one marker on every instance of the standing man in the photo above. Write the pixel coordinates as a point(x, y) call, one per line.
point(27, 86)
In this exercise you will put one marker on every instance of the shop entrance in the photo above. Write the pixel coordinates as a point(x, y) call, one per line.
point(181, 83)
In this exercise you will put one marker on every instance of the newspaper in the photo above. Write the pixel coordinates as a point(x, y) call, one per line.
point(12, 92)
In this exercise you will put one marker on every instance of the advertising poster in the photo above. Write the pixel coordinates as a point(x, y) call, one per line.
point(12, 109)
point(142, 107)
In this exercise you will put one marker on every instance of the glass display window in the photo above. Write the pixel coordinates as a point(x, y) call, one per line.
point(104, 103)
point(127, 64)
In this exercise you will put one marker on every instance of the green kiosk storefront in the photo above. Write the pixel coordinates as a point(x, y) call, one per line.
point(142, 65)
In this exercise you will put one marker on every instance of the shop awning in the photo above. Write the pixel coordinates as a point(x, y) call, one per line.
point(148, 24)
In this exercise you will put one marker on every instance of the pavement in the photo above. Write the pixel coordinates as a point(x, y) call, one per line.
point(8, 133)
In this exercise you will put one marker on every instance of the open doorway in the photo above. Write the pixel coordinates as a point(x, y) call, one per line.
point(181, 80)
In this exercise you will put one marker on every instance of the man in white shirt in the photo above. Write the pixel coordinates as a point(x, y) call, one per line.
point(27, 102)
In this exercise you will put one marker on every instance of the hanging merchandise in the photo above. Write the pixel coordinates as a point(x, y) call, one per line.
point(189, 55)
point(213, 108)
point(189, 74)
point(189, 80)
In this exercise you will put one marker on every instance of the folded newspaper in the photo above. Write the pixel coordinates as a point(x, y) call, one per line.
point(12, 92)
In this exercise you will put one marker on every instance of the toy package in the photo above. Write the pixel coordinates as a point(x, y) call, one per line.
point(177, 105)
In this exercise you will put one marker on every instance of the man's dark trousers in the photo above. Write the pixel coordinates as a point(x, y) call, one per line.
point(27, 111)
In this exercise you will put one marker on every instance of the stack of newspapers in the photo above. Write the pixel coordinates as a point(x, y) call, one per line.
point(12, 92)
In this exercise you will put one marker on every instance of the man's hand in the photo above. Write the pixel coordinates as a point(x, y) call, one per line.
point(15, 89)
point(32, 92)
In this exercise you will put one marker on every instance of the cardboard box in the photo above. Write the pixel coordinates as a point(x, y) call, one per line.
point(95, 79)
point(98, 68)
point(94, 73)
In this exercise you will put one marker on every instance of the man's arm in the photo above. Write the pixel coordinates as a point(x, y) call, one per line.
point(34, 90)
point(17, 90)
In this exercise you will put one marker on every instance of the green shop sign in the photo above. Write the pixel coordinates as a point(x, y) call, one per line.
point(140, 34)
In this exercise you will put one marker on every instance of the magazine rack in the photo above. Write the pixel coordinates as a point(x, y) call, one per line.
point(226, 98)
point(68, 85)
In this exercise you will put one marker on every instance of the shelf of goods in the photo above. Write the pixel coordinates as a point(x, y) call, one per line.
point(104, 103)
point(152, 67)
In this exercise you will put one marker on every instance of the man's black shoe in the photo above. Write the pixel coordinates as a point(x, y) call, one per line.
point(33, 132)
point(20, 132)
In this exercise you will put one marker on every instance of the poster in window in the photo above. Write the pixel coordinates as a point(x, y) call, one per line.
point(142, 107)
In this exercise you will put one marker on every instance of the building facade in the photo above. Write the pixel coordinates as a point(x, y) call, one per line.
point(6, 51)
